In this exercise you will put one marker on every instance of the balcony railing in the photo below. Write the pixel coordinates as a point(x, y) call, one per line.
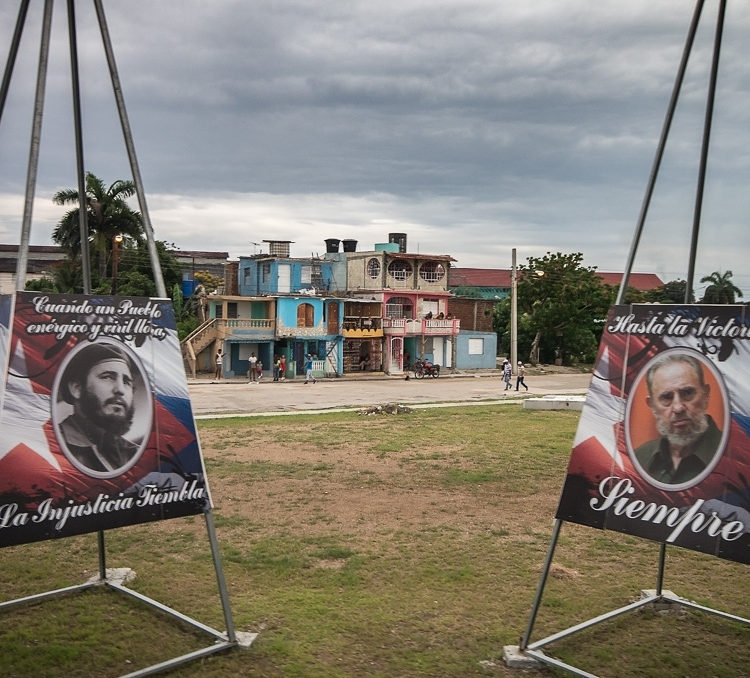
point(422, 326)
point(248, 323)
point(365, 324)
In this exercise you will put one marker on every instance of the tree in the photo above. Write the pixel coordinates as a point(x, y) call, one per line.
point(563, 304)
point(672, 292)
point(632, 295)
point(721, 289)
point(501, 325)
point(184, 313)
point(135, 275)
point(209, 281)
point(66, 278)
point(108, 215)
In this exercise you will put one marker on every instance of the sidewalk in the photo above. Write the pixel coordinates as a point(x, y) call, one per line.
point(237, 396)
point(447, 373)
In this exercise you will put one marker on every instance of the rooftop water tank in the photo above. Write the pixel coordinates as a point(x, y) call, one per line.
point(399, 238)
point(349, 245)
point(332, 245)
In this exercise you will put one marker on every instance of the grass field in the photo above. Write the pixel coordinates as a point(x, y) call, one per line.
point(395, 546)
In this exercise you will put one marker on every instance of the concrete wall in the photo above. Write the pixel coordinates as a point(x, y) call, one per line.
point(356, 271)
point(338, 272)
point(467, 341)
point(357, 277)
point(474, 314)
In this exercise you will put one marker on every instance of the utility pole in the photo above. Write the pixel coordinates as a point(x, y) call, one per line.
point(513, 313)
point(116, 242)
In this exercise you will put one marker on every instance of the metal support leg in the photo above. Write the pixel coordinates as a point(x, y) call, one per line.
point(80, 168)
point(660, 149)
point(36, 135)
point(102, 555)
point(660, 573)
point(211, 528)
point(540, 588)
point(161, 290)
point(704, 150)
point(12, 54)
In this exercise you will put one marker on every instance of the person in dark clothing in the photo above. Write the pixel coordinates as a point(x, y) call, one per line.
point(521, 375)
point(100, 387)
point(689, 437)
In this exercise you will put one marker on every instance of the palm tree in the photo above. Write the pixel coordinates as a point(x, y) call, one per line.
point(108, 215)
point(721, 289)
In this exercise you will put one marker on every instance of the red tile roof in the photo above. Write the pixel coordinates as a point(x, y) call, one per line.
point(479, 277)
point(500, 277)
point(640, 281)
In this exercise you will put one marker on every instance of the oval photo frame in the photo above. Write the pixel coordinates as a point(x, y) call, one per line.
point(61, 407)
point(640, 426)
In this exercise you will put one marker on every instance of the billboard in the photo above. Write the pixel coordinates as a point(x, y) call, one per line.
point(97, 427)
point(662, 449)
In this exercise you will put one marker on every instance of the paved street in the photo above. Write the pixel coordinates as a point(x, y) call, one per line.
point(238, 397)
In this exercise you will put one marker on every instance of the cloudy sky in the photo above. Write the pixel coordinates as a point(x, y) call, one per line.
point(473, 126)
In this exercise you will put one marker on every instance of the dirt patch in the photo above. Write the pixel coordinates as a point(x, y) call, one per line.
point(559, 369)
point(561, 572)
point(352, 489)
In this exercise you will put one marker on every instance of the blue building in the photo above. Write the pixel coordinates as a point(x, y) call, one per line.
point(476, 350)
point(310, 324)
point(279, 308)
point(278, 273)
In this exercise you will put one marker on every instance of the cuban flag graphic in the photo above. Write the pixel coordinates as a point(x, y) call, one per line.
point(629, 471)
point(97, 427)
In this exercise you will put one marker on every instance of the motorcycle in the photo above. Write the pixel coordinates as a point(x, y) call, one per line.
point(424, 368)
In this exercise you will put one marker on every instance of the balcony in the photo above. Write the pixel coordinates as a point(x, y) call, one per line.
point(223, 328)
point(423, 326)
point(248, 323)
point(248, 329)
point(354, 327)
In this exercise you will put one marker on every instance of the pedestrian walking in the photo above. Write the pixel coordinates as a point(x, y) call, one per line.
point(507, 373)
point(219, 364)
point(309, 369)
point(282, 369)
point(520, 378)
point(252, 368)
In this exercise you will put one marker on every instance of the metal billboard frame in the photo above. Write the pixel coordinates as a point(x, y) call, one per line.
point(221, 640)
point(529, 653)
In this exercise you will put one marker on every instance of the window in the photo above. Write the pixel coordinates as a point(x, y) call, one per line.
point(476, 346)
point(398, 307)
point(246, 276)
point(373, 268)
point(400, 269)
point(432, 271)
point(265, 272)
point(306, 275)
point(305, 315)
point(429, 306)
